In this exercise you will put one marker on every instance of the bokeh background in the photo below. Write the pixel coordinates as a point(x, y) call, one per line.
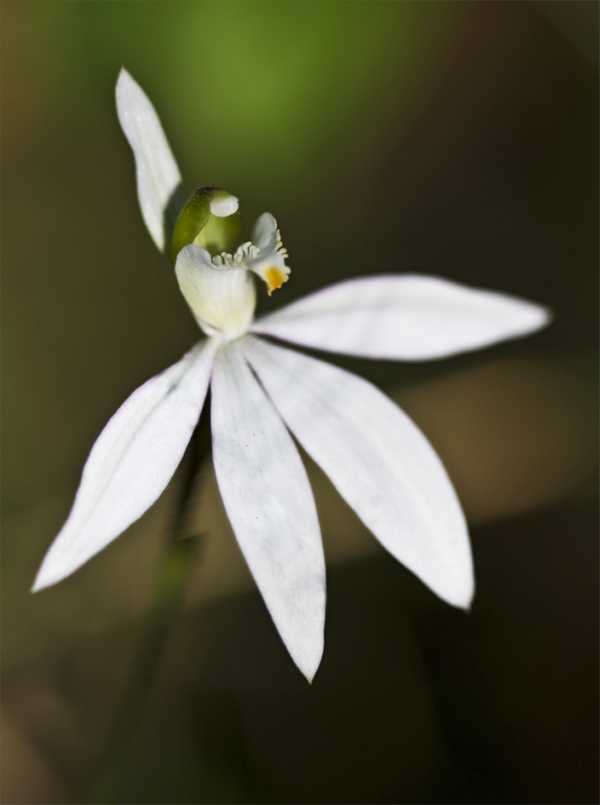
point(457, 139)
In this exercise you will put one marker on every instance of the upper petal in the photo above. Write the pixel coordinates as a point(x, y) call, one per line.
point(269, 503)
point(157, 173)
point(379, 462)
point(131, 462)
point(405, 317)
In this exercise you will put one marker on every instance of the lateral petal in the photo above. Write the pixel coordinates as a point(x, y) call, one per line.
point(131, 462)
point(379, 462)
point(407, 317)
point(270, 505)
point(156, 171)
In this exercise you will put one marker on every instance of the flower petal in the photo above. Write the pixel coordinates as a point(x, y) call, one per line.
point(407, 317)
point(264, 234)
point(379, 462)
point(269, 263)
point(157, 173)
point(222, 299)
point(131, 462)
point(270, 505)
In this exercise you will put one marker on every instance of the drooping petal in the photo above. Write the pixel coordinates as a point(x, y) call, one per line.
point(156, 171)
point(270, 505)
point(131, 462)
point(408, 317)
point(379, 462)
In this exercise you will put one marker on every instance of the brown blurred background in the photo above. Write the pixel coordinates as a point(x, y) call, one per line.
point(457, 139)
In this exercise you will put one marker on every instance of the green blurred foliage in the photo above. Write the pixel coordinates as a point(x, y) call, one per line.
point(457, 139)
point(253, 91)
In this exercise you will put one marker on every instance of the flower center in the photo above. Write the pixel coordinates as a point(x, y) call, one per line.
point(247, 256)
point(240, 258)
point(216, 283)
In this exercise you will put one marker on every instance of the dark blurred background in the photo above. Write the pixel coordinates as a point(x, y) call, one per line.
point(457, 139)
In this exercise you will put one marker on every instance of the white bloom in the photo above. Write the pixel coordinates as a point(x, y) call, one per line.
point(220, 289)
point(378, 460)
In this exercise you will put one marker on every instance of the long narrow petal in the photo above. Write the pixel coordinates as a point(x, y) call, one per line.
point(270, 505)
point(156, 171)
point(131, 462)
point(379, 462)
point(408, 317)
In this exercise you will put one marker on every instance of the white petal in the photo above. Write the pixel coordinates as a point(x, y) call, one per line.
point(221, 298)
point(379, 462)
point(265, 232)
point(131, 462)
point(406, 317)
point(157, 173)
point(270, 505)
point(269, 263)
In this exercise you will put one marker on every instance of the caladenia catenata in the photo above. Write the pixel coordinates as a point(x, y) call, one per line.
point(262, 394)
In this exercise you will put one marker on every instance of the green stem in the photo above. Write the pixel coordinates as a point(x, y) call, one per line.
point(174, 572)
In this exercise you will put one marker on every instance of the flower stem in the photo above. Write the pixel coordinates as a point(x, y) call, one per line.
point(174, 571)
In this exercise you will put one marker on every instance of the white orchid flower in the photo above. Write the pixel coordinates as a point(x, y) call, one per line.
point(263, 394)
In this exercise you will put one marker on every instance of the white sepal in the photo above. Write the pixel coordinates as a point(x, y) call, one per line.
point(131, 462)
point(406, 317)
point(270, 505)
point(156, 171)
point(379, 462)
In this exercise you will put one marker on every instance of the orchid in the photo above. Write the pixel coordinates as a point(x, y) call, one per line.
point(263, 394)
